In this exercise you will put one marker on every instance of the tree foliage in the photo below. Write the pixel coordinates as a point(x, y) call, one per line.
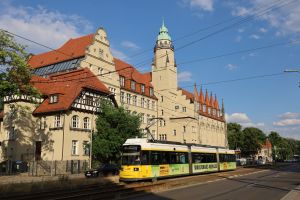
point(248, 140)
point(114, 126)
point(15, 74)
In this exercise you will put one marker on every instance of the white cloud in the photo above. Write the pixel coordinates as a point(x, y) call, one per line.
point(118, 54)
point(130, 45)
point(240, 11)
point(254, 36)
point(231, 67)
point(263, 30)
point(289, 115)
point(185, 76)
point(243, 119)
point(207, 5)
point(287, 122)
point(285, 19)
point(50, 28)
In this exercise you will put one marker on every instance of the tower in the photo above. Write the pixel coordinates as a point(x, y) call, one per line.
point(164, 72)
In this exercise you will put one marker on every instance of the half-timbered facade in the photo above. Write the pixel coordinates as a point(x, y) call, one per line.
point(56, 126)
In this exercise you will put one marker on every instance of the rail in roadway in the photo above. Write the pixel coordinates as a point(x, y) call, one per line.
point(123, 191)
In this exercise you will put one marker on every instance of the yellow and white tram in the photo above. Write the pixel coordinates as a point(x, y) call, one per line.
point(142, 160)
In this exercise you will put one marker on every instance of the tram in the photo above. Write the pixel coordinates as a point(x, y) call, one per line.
point(143, 159)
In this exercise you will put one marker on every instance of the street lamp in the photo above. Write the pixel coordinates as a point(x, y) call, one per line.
point(92, 132)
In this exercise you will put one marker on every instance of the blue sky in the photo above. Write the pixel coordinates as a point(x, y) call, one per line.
point(270, 103)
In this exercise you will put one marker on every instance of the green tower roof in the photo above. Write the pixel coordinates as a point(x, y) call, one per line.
point(163, 33)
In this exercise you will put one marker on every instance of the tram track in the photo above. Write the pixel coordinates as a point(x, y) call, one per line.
point(123, 191)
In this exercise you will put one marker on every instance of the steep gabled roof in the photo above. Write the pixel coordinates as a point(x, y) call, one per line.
point(188, 94)
point(74, 48)
point(130, 73)
point(201, 97)
point(68, 86)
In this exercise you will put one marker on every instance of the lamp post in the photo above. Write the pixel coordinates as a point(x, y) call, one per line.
point(97, 102)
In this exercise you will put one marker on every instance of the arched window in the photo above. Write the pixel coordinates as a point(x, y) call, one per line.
point(86, 123)
point(75, 121)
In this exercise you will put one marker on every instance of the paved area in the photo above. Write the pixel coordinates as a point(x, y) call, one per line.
point(275, 184)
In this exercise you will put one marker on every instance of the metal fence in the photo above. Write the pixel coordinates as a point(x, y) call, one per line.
point(43, 168)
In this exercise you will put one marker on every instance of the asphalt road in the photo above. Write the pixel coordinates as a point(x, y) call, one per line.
point(271, 184)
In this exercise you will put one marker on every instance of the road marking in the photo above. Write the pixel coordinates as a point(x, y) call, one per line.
point(211, 181)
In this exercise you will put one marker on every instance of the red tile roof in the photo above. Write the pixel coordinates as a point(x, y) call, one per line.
point(68, 86)
point(188, 94)
point(1, 115)
point(267, 145)
point(130, 73)
point(74, 48)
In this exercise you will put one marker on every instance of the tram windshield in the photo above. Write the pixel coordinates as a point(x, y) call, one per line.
point(131, 155)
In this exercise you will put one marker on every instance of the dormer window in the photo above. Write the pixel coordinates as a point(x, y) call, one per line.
point(143, 89)
point(151, 92)
point(53, 98)
point(88, 100)
point(132, 85)
point(122, 81)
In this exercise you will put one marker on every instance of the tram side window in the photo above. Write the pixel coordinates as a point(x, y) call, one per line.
point(174, 158)
point(145, 157)
point(183, 158)
point(165, 158)
point(197, 158)
point(227, 158)
point(155, 158)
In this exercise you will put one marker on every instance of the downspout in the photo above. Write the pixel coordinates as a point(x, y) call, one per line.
point(63, 139)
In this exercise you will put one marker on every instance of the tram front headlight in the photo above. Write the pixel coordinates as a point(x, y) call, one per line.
point(136, 169)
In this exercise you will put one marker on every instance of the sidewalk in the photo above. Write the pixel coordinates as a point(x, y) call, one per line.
point(292, 195)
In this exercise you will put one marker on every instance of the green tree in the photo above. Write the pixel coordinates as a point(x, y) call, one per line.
point(253, 138)
point(114, 126)
point(15, 74)
point(235, 136)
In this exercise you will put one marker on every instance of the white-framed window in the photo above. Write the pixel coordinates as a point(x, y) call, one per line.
point(86, 123)
point(86, 148)
point(89, 100)
point(142, 88)
point(134, 99)
point(142, 102)
point(193, 129)
point(100, 71)
point(122, 81)
point(148, 103)
point(151, 92)
point(57, 121)
point(128, 98)
point(122, 97)
point(75, 121)
point(214, 111)
point(209, 110)
point(204, 108)
point(153, 105)
point(174, 132)
point(183, 109)
point(132, 85)
point(53, 98)
point(42, 123)
point(74, 147)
